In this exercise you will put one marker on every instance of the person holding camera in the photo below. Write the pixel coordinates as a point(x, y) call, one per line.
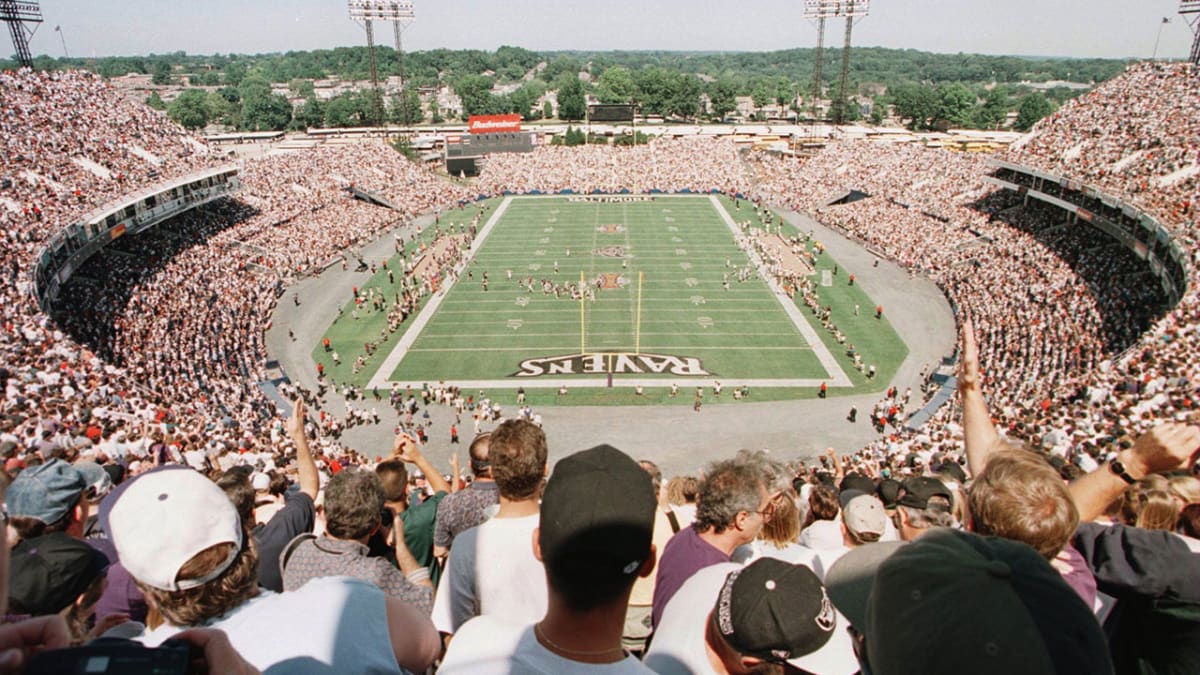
point(354, 502)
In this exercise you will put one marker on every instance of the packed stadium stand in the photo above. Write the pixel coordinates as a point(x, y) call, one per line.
point(154, 347)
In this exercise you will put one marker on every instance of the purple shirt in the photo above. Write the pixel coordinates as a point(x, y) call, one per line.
point(684, 555)
point(1080, 577)
point(121, 596)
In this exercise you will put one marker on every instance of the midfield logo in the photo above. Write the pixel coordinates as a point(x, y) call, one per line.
point(609, 281)
point(610, 228)
point(620, 364)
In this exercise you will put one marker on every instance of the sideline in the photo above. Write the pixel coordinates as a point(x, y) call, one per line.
point(380, 378)
point(836, 374)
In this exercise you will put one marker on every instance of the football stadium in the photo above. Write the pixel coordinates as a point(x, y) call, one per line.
point(618, 361)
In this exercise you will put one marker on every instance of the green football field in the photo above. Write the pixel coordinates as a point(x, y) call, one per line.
point(670, 299)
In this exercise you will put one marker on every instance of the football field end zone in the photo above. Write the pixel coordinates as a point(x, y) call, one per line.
point(837, 377)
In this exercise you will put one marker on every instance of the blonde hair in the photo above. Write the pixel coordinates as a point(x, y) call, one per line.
point(1150, 504)
point(683, 490)
point(783, 527)
point(1186, 488)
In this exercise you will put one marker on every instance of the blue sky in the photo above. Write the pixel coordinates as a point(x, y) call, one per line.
point(1102, 28)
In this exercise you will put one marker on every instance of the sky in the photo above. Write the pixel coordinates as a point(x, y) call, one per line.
point(1096, 28)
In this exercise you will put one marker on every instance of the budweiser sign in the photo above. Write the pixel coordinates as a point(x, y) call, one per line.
point(618, 364)
point(493, 124)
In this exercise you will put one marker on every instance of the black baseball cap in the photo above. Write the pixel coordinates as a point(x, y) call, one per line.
point(598, 511)
point(47, 573)
point(916, 492)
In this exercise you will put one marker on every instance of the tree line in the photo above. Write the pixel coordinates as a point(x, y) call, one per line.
point(925, 90)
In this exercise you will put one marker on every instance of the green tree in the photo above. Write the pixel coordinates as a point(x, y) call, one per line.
point(161, 73)
point(1034, 107)
point(916, 103)
point(311, 114)
point(955, 105)
point(722, 95)
point(763, 94)
point(571, 102)
point(653, 91)
point(155, 101)
point(404, 146)
point(879, 106)
point(994, 109)
point(343, 111)
point(221, 110)
point(272, 112)
point(407, 109)
point(615, 85)
point(476, 94)
point(547, 110)
point(684, 96)
point(234, 73)
point(562, 66)
point(190, 109)
point(254, 85)
point(301, 88)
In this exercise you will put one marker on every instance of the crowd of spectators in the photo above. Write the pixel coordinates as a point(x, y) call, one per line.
point(203, 284)
point(666, 165)
point(145, 381)
point(1066, 317)
point(1136, 137)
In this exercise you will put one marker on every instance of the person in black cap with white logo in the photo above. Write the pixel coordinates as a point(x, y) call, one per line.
point(768, 617)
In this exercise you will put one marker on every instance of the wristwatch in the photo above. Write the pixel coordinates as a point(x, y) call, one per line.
point(1118, 468)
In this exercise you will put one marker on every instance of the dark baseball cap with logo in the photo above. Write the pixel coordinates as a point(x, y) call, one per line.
point(916, 492)
point(774, 611)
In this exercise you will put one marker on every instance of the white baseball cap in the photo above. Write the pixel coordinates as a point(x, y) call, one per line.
point(162, 519)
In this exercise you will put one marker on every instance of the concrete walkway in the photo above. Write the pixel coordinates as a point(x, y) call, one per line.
point(675, 437)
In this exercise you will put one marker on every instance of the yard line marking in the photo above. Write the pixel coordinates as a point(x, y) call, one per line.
point(837, 377)
point(380, 378)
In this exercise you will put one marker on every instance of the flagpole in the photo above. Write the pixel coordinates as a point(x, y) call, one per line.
point(62, 38)
point(1154, 56)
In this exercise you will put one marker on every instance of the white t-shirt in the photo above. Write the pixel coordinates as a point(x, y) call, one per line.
point(492, 571)
point(678, 646)
point(490, 645)
point(329, 625)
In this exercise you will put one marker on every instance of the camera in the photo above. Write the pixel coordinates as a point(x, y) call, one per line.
point(111, 655)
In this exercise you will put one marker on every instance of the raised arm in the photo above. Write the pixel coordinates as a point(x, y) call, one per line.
point(455, 481)
point(406, 448)
point(979, 434)
point(1164, 448)
point(839, 471)
point(305, 466)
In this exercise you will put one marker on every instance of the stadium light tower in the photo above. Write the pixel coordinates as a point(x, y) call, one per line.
point(20, 16)
point(819, 10)
point(852, 9)
point(364, 12)
point(1190, 11)
point(832, 9)
point(405, 15)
